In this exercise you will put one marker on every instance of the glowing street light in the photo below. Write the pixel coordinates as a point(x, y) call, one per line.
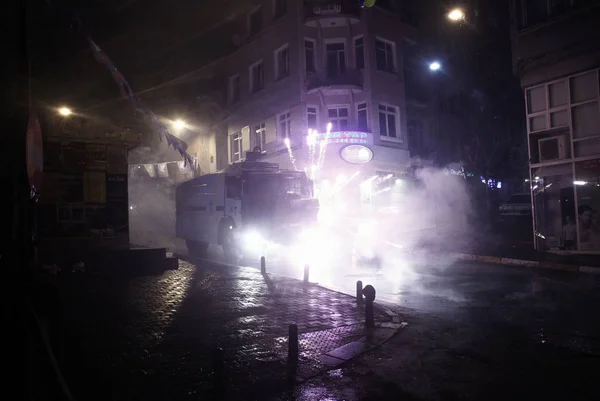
point(435, 66)
point(179, 124)
point(65, 111)
point(456, 15)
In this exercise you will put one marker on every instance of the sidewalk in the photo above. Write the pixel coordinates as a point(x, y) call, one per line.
point(153, 338)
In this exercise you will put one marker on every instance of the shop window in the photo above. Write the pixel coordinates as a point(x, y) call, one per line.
point(587, 184)
point(553, 206)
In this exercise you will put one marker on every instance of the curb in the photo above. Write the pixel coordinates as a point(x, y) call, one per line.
point(339, 356)
point(525, 263)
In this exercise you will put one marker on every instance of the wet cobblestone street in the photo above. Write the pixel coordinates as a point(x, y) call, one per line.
point(153, 337)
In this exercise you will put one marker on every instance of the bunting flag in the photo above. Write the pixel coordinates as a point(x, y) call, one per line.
point(128, 94)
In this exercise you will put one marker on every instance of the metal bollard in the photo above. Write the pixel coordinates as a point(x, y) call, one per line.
point(359, 290)
point(293, 344)
point(369, 292)
point(263, 265)
point(306, 268)
point(218, 368)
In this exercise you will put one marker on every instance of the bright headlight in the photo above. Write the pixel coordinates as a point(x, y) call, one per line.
point(253, 240)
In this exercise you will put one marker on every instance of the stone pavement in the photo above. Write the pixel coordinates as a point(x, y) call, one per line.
point(152, 338)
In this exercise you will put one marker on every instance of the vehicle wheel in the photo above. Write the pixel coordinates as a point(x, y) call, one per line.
point(196, 249)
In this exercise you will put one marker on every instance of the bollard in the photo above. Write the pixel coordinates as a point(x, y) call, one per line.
point(306, 268)
point(218, 367)
point(359, 290)
point(263, 265)
point(293, 344)
point(369, 293)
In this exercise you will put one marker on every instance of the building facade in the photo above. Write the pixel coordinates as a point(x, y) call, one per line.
point(556, 55)
point(325, 66)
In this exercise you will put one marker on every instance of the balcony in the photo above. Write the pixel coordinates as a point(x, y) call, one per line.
point(331, 13)
point(343, 81)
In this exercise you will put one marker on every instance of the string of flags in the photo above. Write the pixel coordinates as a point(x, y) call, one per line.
point(128, 94)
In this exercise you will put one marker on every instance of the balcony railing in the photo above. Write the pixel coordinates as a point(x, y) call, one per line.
point(316, 9)
point(351, 79)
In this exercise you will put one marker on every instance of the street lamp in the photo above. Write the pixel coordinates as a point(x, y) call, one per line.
point(65, 111)
point(456, 15)
point(435, 66)
point(179, 124)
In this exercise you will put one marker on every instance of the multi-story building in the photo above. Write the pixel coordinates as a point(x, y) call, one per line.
point(328, 67)
point(556, 55)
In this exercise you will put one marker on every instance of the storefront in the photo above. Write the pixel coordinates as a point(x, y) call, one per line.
point(563, 117)
point(566, 201)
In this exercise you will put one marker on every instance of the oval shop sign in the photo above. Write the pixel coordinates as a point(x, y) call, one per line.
point(356, 154)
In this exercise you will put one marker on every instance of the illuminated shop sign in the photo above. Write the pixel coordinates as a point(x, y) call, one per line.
point(349, 137)
point(356, 154)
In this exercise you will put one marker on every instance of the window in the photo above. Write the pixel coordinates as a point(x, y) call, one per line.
point(312, 117)
point(416, 134)
point(361, 117)
point(285, 125)
point(255, 21)
point(359, 53)
point(336, 59)
point(388, 118)
point(309, 55)
point(236, 147)
point(533, 12)
point(338, 117)
point(279, 8)
point(384, 52)
point(257, 77)
point(260, 136)
point(234, 89)
point(282, 62)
